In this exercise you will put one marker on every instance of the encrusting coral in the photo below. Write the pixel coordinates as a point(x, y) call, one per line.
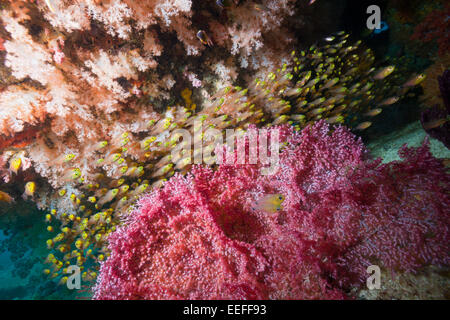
point(207, 236)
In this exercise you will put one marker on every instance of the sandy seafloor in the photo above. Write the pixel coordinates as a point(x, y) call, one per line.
point(23, 249)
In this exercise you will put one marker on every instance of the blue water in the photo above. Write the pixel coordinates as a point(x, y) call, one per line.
point(22, 252)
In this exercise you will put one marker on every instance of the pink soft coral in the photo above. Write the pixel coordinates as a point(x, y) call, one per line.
point(200, 236)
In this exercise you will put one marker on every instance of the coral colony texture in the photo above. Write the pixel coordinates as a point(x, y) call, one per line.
point(214, 235)
point(93, 94)
point(435, 120)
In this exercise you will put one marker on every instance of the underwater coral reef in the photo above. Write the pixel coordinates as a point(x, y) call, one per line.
point(307, 232)
point(97, 95)
point(435, 120)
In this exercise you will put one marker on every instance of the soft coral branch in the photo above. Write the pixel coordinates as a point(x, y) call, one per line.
point(435, 28)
